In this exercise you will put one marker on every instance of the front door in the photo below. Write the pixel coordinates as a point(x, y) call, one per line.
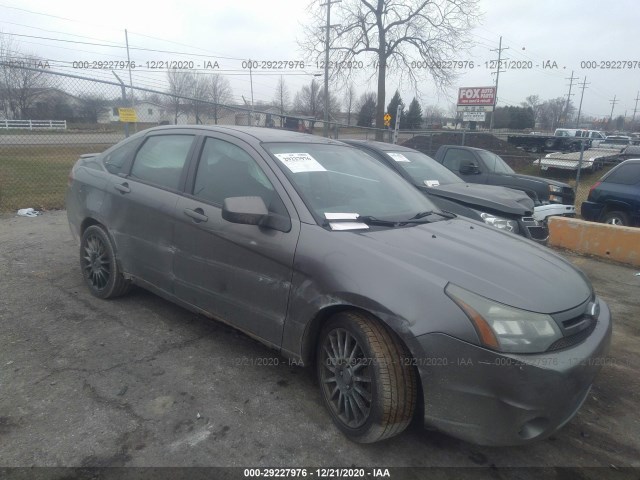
point(241, 274)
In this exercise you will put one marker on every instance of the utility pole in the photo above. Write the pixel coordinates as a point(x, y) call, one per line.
point(497, 72)
point(584, 85)
point(123, 91)
point(566, 107)
point(613, 104)
point(126, 38)
point(635, 109)
point(251, 81)
point(326, 65)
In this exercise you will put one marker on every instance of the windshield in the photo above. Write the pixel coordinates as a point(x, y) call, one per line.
point(495, 163)
point(341, 179)
point(424, 170)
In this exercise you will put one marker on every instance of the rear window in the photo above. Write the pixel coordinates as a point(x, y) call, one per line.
point(628, 174)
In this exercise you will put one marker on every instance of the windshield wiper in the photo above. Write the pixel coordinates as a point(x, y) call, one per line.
point(370, 220)
point(442, 213)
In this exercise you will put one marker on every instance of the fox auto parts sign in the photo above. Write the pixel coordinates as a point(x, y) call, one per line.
point(477, 96)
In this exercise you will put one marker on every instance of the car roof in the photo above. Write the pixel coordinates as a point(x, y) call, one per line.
point(382, 146)
point(261, 134)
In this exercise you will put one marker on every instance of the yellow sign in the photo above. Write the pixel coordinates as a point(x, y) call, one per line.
point(127, 115)
point(387, 119)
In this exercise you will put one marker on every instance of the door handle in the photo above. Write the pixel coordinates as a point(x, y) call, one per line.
point(197, 215)
point(122, 187)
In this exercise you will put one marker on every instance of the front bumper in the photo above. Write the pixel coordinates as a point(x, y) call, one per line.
point(492, 398)
point(542, 212)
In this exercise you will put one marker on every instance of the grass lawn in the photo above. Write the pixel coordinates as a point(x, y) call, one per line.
point(36, 176)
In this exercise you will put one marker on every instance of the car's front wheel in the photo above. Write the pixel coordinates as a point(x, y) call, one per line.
point(366, 376)
point(99, 266)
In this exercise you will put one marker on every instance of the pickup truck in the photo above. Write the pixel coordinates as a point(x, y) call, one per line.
point(475, 165)
point(563, 140)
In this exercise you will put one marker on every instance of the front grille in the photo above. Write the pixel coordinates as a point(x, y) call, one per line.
point(571, 340)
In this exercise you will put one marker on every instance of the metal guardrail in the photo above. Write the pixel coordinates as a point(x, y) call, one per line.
point(34, 124)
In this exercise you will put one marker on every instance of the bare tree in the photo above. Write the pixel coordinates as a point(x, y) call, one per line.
point(180, 86)
point(92, 107)
point(533, 102)
point(309, 101)
point(20, 87)
point(281, 98)
point(220, 93)
point(400, 36)
point(433, 114)
point(551, 112)
point(349, 100)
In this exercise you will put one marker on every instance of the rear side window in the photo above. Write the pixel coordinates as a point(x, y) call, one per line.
point(116, 159)
point(161, 159)
point(625, 174)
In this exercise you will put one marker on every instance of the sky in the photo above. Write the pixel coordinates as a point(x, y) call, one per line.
point(570, 36)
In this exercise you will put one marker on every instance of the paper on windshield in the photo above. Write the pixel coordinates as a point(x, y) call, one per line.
point(348, 226)
point(432, 183)
point(340, 216)
point(300, 162)
point(398, 157)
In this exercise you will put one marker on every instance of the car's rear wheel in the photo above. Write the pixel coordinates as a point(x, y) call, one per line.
point(99, 266)
point(366, 376)
point(616, 217)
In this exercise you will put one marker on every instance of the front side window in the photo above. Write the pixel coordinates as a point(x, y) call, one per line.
point(494, 163)
point(340, 179)
point(161, 159)
point(457, 158)
point(424, 170)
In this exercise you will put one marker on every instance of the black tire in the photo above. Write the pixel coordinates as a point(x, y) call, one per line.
point(549, 142)
point(534, 149)
point(98, 263)
point(573, 147)
point(616, 217)
point(366, 377)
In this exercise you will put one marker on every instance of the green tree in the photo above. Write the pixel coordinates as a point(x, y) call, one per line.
point(367, 109)
point(413, 119)
point(392, 108)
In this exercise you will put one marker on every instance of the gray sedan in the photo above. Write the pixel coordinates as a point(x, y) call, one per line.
point(319, 251)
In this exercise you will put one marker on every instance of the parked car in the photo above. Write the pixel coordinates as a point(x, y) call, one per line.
point(504, 208)
point(615, 198)
point(475, 165)
point(319, 251)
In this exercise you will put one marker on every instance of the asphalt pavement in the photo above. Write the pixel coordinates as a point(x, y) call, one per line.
point(138, 381)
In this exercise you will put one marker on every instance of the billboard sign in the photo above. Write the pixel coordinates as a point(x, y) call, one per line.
point(477, 96)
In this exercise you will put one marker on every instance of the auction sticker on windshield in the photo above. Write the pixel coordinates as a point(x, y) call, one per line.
point(300, 162)
point(432, 183)
point(398, 157)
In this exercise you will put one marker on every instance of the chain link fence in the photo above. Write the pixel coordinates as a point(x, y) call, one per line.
point(44, 130)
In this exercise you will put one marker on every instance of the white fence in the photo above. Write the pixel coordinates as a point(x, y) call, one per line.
point(34, 124)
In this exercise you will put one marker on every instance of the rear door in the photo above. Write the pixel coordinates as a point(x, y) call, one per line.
point(241, 274)
point(142, 206)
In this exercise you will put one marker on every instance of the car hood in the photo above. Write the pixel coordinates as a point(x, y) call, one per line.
point(546, 181)
point(496, 265)
point(501, 199)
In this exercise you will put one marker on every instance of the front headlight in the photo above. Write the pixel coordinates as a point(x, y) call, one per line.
point(504, 328)
point(499, 222)
point(555, 189)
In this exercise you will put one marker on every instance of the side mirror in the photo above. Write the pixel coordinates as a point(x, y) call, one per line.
point(244, 210)
point(469, 169)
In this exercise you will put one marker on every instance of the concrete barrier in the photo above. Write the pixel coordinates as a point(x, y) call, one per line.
point(621, 244)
